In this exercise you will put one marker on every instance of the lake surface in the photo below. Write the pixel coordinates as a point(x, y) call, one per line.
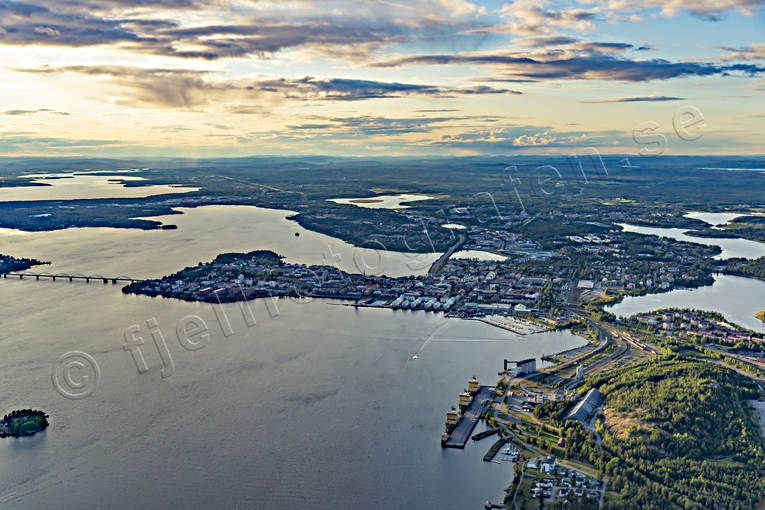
point(478, 254)
point(382, 201)
point(202, 233)
point(737, 298)
point(714, 219)
point(731, 248)
point(84, 186)
point(316, 405)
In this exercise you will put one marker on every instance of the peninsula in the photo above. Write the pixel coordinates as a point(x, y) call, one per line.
point(10, 264)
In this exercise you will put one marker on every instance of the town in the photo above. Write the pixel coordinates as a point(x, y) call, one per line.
point(583, 268)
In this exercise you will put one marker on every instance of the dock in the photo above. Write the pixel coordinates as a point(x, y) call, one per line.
point(485, 434)
point(469, 419)
point(495, 448)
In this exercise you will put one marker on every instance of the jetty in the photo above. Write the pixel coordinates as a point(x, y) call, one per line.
point(495, 448)
point(484, 434)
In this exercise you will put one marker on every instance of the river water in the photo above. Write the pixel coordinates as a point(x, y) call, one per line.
point(316, 405)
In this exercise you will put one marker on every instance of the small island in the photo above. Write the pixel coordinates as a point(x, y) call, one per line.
point(24, 422)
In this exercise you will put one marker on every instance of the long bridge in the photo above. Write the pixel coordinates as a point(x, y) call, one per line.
point(71, 277)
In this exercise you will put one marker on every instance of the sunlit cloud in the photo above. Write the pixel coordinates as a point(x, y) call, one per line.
point(354, 75)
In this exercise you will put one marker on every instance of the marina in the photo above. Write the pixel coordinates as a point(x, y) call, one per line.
point(514, 324)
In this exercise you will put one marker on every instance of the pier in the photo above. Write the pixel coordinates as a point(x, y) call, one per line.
point(71, 277)
point(469, 419)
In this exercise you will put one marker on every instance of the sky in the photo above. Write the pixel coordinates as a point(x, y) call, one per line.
point(229, 78)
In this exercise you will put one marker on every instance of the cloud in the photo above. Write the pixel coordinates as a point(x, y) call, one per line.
point(481, 89)
point(33, 112)
point(531, 17)
point(196, 90)
point(372, 125)
point(24, 23)
point(539, 17)
point(752, 52)
point(638, 99)
point(347, 29)
point(572, 43)
point(516, 138)
point(576, 66)
point(28, 143)
point(231, 29)
point(711, 10)
point(601, 47)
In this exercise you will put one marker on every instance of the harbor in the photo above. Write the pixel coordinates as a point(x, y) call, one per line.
point(466, 423)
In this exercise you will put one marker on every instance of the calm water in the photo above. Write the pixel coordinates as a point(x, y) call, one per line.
point(712, 218)
point(731, 248)
point(382, 201)
point(477, 254)
point(318, 405)
point(738, 299)
point(84, 186)
point(202, 233)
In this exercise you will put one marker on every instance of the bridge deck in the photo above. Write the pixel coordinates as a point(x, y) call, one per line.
point(71, 277)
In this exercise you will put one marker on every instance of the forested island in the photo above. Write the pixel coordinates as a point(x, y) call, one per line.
point(24, 422)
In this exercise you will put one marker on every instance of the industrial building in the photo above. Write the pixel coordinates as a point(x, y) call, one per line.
point(585, 407)
point(519, 368)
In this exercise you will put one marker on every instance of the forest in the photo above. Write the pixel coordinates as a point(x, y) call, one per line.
point(677, 433)
point(751, 269)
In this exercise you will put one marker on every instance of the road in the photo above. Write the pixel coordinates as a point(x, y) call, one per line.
point(438, 264)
